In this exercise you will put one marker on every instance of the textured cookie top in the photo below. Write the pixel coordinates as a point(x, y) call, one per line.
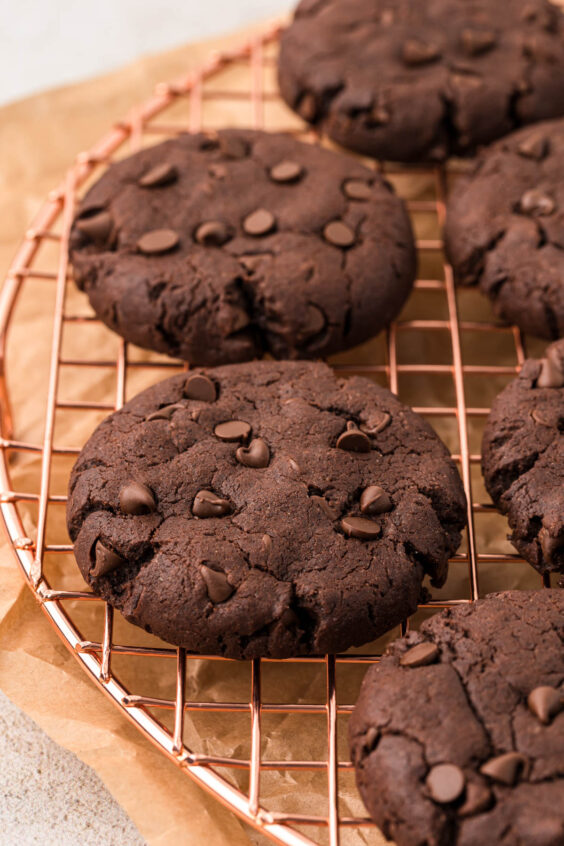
point(426, 78)
point(217, 248)
point(458, 734)
point(523, 459)
point(264, 509)
point(505, 228)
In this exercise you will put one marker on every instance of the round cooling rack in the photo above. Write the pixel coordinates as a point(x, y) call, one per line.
point(282, 764)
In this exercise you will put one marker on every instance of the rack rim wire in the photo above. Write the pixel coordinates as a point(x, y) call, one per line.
point(95, 657)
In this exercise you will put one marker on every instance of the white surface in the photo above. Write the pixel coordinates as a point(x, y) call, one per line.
point(50, 798)
point(46, 43)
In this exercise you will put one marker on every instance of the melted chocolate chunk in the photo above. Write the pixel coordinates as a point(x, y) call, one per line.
point(97, 228)
point(339, 234)
point(158, 241)
point(545, 702)
point(375, 500)
point(212, 233)
point(200, 387)
point(420, 655)
point(360, 527)
point(217, 585)
point(166, 412)
point(233, 430)
point(353, 440)
point(259, 222)
point(445, 783)
point(505, 768)
point(208, 504)
point(159, 175)
point(256, 454)
point(136, 498)
point(286, 171)
point(106, 561)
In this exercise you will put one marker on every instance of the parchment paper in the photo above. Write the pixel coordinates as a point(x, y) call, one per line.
point(38, 139)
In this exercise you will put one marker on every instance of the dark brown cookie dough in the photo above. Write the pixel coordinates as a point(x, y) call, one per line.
point(421, 80)
point(215, 249)
point(523, 459)
point(266, 509)
point(505, 228)
point(458, 733)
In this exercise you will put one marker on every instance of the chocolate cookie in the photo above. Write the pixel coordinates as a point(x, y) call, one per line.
point(218, 248)
point(505, 228)
point(423, 79)
point(267, 509)
point(458, 734)
point(523, 459)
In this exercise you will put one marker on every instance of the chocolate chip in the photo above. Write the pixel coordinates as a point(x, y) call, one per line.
point(232, 430)
point(97, 228)
point(256, 454)
point(208, 504)
point(339, 234)
point(506, 768)
point(477, 41)
point(550, 375)
point(478, 799)
point(217, 586)
point(353, 440)
point(535, 146)
point(165, 413)
point(375, 500)
point(157, 241)
point(266, 542)
point(106, 560)
point(415, 52)
point(445, 783)
point(259, 222)
point(212, 233)
point(286, 171)
point(159, 175)
point(370, 739)
point(324, 505)
point(233, 148)
point(360, 527)
point(294, 465)
point(376, 422)
point(535, 201)
point(544, 417)
point(421, 655)
point(136, 498)
point(356, 189)
point(314, 322)
point(199, 387)
point(307, 108)
point(545, 702)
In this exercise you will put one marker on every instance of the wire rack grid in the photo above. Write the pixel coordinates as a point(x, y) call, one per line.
point(51, 226)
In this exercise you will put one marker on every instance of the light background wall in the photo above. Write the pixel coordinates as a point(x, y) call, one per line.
point(44, 43)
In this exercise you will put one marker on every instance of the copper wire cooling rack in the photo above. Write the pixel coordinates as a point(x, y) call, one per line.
point(434, 350)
